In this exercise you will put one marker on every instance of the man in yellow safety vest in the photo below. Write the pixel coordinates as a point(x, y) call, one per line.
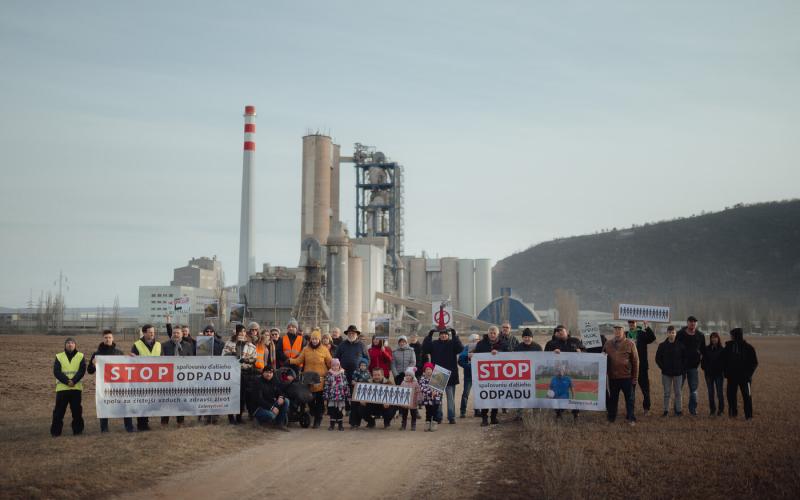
point(145, 346)
point(68, 369)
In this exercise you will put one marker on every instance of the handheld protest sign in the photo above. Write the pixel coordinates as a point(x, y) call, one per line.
point(590, 335)
point(440, 378)
point(384, 394)
point(640, 312)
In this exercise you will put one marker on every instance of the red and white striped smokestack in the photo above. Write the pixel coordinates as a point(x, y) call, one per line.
point(247, 260)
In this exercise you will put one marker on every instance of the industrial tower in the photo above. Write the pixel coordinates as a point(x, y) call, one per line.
point(379, 207)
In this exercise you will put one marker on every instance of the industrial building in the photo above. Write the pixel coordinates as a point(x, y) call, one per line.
point(350, 278)
point(200, 281)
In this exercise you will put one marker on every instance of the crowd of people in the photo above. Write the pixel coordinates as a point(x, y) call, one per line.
point(273, 363)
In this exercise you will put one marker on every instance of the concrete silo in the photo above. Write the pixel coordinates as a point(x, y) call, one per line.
point(417, 278)
point(483, 284)
point(355, 275)
point(315, 211)
point(338, 276)
point(466, 286)
point(449, 267)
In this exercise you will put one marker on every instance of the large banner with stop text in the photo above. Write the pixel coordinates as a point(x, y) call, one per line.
point(144, 386)
point(568, 380)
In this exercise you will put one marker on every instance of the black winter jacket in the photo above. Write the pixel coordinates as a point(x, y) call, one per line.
point(486, 345)
point(571, 344)
point(103, 350)
point(671, 358)
point(739, 360)
point(521, 347)
point(445, 354)
point(262, 394)
point(643, 337)
point(695, 346)
point(712, 362)
point(168, 348)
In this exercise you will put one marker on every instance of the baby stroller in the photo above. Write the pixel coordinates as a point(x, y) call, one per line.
point(299, 394)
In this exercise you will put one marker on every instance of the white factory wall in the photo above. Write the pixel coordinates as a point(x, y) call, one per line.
point(373, 259)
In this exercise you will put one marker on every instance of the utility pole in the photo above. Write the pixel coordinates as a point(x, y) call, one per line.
point(63, 281)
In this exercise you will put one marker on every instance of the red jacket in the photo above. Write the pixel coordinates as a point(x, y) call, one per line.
point(380, 358)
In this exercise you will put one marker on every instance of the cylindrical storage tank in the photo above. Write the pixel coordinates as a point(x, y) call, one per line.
point(338, 279)
point(315, 208)
point(418, 281)
point(466, 286)
point(355, 294)
point(335, 184)
point(450, 279)
point(483, 284)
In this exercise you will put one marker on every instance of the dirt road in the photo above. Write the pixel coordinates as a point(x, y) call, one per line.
point(367, 463)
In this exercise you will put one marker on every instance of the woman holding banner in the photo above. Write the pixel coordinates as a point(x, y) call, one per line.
point(315, 358)
point(245, 352)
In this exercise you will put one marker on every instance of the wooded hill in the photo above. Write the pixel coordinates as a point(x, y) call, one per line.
point(742, 263)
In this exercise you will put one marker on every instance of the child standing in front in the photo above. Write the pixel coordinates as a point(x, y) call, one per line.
point(431, 398)
point(410, 380)
point(336, 393)
point(360, 375)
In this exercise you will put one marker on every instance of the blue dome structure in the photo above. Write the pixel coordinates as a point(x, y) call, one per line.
point(517, 312)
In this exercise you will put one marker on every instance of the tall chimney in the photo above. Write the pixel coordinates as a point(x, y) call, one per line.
point(247, 261)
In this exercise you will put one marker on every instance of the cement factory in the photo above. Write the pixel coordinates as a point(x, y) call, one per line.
point(345, 278)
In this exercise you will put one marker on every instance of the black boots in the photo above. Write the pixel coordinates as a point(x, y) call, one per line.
point(317, 421)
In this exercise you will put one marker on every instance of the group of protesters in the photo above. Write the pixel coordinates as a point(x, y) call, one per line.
point(271, 362)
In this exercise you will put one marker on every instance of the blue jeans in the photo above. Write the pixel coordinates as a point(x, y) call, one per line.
point(694, 381)
point(465, 395)
point(266, 416)
point(712, 383)
point(450, 392)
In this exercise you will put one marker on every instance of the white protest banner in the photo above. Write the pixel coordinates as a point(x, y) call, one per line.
point(590, 335)
point(440, 378)
point(182, 304)
point(639, 312)
point(442, 314)
point(568, 380)
point(144, 386)
point(384, 394)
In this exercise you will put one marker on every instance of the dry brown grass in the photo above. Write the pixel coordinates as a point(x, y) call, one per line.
point(687, 457)
point(39, 466)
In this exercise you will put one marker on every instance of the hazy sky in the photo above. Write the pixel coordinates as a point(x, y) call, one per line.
point(517, 122)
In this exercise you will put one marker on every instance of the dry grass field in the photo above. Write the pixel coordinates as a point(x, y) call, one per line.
point(672, 457)
point(39, 466)
point(688, 457)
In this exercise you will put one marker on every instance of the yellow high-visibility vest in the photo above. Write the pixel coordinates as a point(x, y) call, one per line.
point(69, 368)
point(144, 351)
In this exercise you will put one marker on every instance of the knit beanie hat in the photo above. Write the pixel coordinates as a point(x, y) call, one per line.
point(335, 364)
point(428, 365)
point(411, 371)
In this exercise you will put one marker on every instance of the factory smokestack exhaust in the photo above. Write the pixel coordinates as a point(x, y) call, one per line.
point(247, 259)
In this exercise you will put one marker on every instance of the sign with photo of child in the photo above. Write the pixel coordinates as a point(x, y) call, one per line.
point(384, 394)
point(440, 378)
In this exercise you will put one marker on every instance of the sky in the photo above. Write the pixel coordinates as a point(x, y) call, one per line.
point(517, 122)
